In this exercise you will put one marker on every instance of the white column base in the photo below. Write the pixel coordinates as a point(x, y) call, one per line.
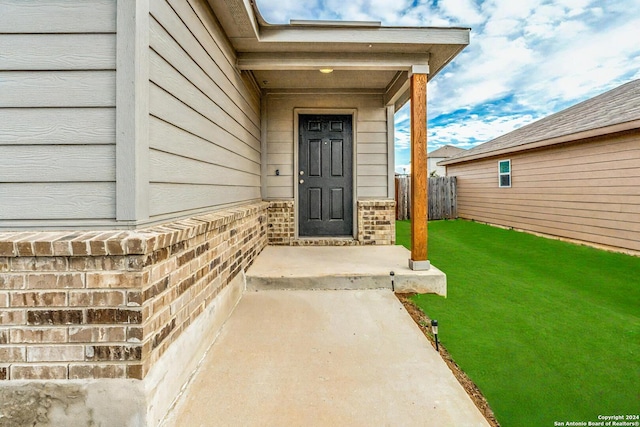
point(419, 265)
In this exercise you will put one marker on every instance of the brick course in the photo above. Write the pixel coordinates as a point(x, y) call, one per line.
point(79, 305)
point(376, 225)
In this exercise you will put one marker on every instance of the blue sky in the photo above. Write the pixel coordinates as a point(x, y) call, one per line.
point(527, 58)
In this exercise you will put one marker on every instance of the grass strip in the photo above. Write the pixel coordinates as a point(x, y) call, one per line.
point(548, 330)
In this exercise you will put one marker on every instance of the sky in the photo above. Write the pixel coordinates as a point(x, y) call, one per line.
point(526, 59)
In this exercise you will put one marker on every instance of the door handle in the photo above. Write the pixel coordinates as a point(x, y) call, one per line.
point(301, 172)
point(301, 181)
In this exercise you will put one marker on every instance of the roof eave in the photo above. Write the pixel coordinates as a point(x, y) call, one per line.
point(331, 32)
point(563, 139)
point(341, 46)
point(355, 32)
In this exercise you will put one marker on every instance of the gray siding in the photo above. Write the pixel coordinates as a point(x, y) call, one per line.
point(204, 124)
point(57, 111)
point(588, 191)
point(371, 137)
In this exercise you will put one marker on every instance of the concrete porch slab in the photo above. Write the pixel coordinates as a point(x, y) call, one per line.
point(341, 267)
point(323, 358)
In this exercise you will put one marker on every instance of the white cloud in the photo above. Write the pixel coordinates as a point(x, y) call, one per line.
point(584, 66)
point(402, 132)
point(486, 72)
point(500, 9)
point(544, 54)
point(502, 27)
point(462, 11)
point(571, 29)
point(476, 129)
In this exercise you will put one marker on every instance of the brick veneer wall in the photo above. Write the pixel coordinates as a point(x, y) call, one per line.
point(78, 305)
point(281, 228)
point(377, 222)
point(376, 225)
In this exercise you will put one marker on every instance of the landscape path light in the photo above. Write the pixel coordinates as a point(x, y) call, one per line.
point(434, 330)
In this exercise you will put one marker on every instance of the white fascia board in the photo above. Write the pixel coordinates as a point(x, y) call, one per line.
point(254, 16)
point(365, 35)
point(321, 23)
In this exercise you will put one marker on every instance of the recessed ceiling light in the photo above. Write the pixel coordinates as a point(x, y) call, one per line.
point(326, 70)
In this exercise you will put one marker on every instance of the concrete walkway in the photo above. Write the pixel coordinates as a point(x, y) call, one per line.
point(323, 358)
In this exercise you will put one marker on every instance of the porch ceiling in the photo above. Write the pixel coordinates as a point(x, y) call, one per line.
point(363, 55)
point(312, 79)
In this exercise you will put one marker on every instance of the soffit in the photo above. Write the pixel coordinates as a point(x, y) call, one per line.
point(235, 18)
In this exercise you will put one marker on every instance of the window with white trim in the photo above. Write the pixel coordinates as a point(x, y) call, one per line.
point(504, 173)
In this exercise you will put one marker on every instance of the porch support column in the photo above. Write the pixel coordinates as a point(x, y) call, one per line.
point(419, 176)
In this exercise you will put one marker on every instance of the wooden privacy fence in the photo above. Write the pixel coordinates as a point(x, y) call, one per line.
point(442, 197)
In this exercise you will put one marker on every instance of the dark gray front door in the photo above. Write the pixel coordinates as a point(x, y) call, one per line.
point(325, 175)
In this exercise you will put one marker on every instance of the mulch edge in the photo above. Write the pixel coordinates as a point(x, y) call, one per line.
point(424, 323)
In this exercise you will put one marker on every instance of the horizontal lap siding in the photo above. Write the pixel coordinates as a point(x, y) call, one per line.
point(586, 191)
point(57, 111)
point(57, 52)
point(371, 138)
point(58, 16)
point(204, 124)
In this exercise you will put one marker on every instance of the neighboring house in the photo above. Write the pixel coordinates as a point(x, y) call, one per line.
point(149, 150)
point(439, 155)
point(574, 174)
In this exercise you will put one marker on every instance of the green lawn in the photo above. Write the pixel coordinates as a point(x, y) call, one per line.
point(549, 331)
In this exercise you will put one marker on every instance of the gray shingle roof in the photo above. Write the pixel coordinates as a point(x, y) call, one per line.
point(617, 106)
point(446, 151)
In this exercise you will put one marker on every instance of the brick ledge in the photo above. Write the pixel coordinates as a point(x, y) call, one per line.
point(117, 242)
